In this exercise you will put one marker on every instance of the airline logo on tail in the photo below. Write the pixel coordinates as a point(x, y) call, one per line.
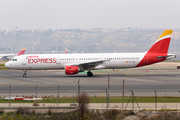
point(161, 46)
point(22, 51)
point(158, 52)
point(166, 33)
point(66, 51)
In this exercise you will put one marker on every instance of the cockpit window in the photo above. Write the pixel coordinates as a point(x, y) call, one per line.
point(13, 59)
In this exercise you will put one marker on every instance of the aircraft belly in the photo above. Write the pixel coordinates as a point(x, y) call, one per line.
point(44, 66)
point(121, 64)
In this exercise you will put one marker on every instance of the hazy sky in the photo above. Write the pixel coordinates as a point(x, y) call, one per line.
point(87, 14)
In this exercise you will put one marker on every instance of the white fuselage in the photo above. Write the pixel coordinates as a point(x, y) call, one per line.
point(59, 61)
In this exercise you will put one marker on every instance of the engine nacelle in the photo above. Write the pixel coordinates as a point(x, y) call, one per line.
point(70, 70)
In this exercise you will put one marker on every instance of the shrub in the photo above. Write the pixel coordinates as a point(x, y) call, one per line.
point(34, 104)
point(111, 114)
point(83, 100)
point(22, 110)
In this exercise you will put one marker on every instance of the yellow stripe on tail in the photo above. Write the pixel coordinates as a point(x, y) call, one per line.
point(24, 48)
point(166, 32)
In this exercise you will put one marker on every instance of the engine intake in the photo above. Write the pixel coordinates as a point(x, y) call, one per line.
point(70, 70)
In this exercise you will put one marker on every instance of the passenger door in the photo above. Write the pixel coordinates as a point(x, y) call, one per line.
point(23, 60)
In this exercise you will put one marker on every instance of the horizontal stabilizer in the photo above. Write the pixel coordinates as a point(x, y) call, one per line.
point(170, 56)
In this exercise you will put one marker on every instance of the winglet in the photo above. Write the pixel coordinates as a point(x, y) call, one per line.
point(22, 51)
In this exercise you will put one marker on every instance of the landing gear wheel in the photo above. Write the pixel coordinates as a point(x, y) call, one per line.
point(90, 74)
point(24, 75)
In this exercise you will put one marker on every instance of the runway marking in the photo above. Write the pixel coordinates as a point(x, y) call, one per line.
point(101, 94)
point(17, 81)
point(102, 73)
point(9, 79)
point(134, 74)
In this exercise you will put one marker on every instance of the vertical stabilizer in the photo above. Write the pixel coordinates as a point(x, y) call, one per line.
point(158, 51)
point(22, 52)
point(161, 46)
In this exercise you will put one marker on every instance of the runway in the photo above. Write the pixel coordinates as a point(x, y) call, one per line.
point(165, 79)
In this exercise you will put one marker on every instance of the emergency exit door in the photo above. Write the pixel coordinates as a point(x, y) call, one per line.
point(57, 59)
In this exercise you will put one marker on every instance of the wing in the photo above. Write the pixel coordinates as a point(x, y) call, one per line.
point(90, 64)
point(6, 56)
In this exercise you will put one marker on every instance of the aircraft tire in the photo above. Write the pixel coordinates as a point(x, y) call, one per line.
point(90, 74)
point(24, 75)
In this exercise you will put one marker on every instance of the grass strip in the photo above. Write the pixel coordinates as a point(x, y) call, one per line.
point(3, 68)
point(168, 99)
point(2, 64)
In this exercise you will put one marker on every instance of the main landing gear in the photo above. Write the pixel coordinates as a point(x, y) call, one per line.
point(90, 74)
point(24, 75)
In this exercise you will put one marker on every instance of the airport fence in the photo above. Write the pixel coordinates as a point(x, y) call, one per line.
point(107, 98)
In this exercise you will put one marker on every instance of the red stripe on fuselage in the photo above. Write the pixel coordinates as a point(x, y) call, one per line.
point(160, 48)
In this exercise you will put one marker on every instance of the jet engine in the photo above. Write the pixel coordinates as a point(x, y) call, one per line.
point(70, 70)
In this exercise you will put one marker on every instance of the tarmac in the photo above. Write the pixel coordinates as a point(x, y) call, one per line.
point(65, 107)
point(163, 77)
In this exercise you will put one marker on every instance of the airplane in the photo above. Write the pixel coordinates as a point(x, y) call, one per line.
point(75, 63)
point(66, 51)
point(5, 56)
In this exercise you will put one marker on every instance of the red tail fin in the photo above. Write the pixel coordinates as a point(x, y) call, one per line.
point(22, 51)
point(160, 48)
point(66, 51)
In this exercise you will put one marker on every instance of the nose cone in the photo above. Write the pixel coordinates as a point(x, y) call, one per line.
point(7, 64)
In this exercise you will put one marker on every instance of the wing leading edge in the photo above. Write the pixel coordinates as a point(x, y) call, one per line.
point(89, 65)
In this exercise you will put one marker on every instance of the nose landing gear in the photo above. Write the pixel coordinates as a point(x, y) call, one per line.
point(90, 74)
point(24, 75)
